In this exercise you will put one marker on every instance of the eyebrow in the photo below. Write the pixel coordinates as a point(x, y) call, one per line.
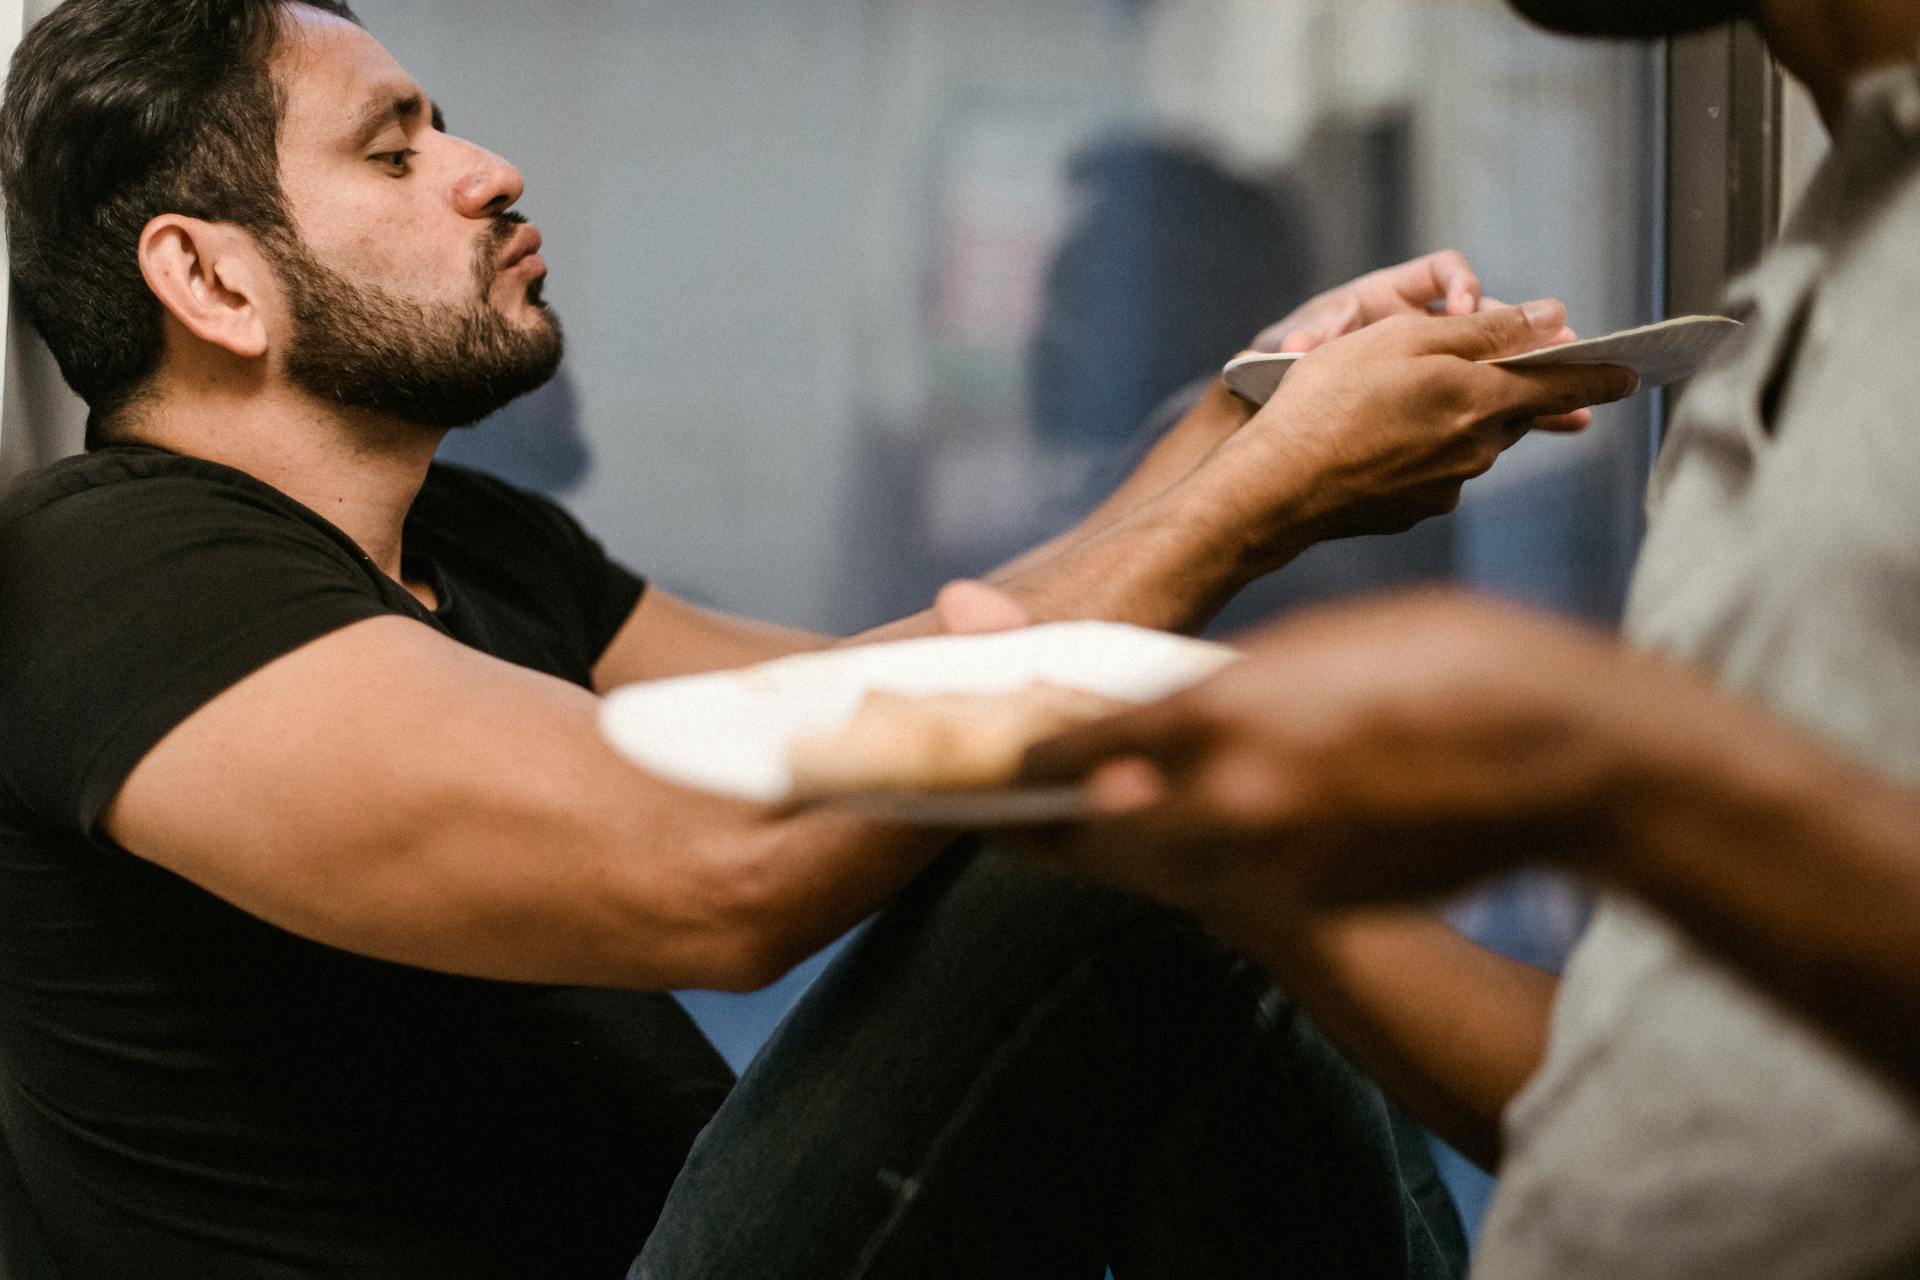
point(381, 112)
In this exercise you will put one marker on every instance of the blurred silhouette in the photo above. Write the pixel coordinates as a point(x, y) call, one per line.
point(1171, 265)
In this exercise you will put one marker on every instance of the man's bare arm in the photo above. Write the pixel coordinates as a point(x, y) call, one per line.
point(1371, 433)
point(666, 636)
point(1449, 1028)
point(389, 791)
point(1399, 750)
point(1791, 863)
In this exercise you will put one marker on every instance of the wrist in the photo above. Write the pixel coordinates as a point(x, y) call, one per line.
point(1163, 565)
point(1258, 505)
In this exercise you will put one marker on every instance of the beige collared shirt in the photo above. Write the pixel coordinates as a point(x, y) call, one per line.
point(1682, 1125)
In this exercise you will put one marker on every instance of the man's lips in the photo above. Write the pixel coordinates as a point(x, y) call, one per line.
point(524, 244)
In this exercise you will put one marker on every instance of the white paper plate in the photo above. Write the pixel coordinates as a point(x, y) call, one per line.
point(1660, 353)
point(730, 731)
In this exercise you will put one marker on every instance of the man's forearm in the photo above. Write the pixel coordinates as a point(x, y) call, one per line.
point(1793, 865)
point(1166, 565)
point(1450, 1029)
point(1216, 414)
point(1173, 543)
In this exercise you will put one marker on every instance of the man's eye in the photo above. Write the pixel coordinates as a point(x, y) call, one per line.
point(395, 160)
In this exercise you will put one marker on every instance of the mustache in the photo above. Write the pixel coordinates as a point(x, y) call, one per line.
point(486, 257)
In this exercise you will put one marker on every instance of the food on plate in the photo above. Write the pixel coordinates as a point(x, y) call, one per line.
point(938, 741)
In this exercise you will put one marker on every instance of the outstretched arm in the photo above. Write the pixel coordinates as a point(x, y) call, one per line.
point(1451, 1029)
point(1377, 432)
point(1396, 751)
point(440, 808)
point(389, 791)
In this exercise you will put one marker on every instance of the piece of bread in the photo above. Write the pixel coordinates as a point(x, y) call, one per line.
point(939, 741)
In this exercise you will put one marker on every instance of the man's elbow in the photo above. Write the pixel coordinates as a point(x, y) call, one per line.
point(743, 928)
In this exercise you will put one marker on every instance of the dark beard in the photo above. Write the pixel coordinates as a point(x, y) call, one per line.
point(431, 365)
point(1641, 19)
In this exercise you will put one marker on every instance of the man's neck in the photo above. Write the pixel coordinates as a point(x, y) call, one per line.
point(1830, 44)
point(360, 471)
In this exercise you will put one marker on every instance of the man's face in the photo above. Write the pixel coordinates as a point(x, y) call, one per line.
point(1634, 18)
point(411, 289)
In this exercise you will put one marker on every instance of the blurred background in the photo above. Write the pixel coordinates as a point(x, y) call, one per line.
point(863, 295)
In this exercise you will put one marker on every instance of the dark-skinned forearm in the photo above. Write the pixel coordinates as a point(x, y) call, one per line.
point(1171, 564)
point(1215, 416)
point(1450, 1029)
point(1797, 867)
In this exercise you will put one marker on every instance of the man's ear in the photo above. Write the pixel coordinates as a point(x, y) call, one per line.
point(213, 279)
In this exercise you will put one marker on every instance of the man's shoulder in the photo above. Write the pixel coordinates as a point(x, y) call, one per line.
point(125, 501)
point(123, 476)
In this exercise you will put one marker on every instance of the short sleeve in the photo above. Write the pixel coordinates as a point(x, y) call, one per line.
point(125, 607)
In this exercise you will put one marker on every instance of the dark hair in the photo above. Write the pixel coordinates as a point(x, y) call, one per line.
point(118, 111)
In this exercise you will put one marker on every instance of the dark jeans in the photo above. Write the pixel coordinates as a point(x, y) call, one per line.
point(1009, 1076)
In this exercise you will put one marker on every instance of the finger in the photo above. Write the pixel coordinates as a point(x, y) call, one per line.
point(1433, 282)
point(969, 607)
point(1310, 318)
point(1560, 339)
point(1564, 423)
point(1487, 335)
point(1154, 734)
point(1214, 805)
point(1455, 280)
point(1308, 334)
point(1137, 852)
point(1337, 318)
point(1276, 336)
point(1546, 392)
point(1127, 785)
point(1514, 429)
point(1341, 319)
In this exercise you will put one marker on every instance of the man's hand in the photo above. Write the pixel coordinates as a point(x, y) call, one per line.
point(1403, 750)
point(1387, 751)
point(1441, 283)
point(1389, 422)
point(1369, 434)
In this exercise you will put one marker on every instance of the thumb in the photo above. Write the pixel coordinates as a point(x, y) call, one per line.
point(1488, 335)
point(970, 607)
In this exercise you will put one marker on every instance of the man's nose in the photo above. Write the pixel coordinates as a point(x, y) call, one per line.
point(489, 186)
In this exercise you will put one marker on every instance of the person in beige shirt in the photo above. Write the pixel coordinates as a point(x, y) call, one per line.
point(1723, 1083)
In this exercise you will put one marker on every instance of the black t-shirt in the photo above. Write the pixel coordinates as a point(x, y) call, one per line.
point(193, 1093)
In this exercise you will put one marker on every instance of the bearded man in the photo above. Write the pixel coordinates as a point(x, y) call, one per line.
point(333, 938)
